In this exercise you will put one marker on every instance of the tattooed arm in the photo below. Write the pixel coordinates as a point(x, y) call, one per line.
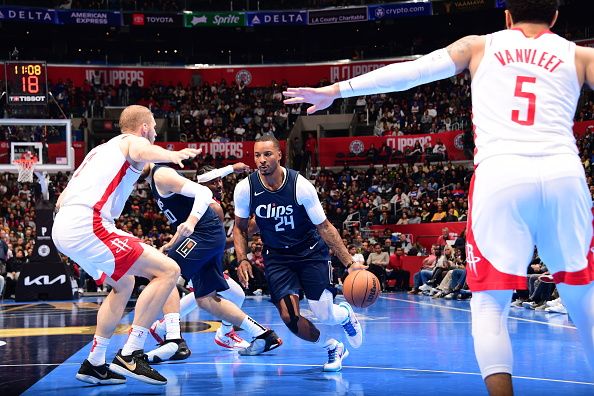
point(330, 235)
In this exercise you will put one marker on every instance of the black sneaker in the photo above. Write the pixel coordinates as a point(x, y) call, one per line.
point(265, 342)
point(98, 374)
point(137, 366)
point(169, 350)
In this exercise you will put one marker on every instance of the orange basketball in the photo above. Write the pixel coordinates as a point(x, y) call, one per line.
point(361, 288)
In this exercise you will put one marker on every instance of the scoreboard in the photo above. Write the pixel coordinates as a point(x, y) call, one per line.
point(26, 83)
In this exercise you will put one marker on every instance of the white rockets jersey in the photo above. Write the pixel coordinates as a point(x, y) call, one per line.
point(524, 95)
point(104, 181)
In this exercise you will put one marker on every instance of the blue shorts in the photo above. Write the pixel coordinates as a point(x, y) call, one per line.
point(201, 261)
point(287, 272)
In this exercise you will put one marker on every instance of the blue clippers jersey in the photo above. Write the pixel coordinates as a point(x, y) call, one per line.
point(283, 223)
point(177, 208)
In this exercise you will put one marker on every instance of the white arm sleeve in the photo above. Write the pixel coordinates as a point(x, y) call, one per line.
point(308, 197)
point(241, 199)
point(213, 174)
point(202, 197)
point(401, 76)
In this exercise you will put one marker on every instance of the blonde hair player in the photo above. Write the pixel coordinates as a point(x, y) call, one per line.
point(529, 186)
point(84, 230)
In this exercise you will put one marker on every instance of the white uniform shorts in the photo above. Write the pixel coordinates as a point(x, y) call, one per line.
point(94, 243)
point(518, 202)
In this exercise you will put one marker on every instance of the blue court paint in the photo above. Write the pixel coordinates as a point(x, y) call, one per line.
point(413, 345)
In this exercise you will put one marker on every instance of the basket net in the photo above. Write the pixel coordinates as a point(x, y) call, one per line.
point(25, 166)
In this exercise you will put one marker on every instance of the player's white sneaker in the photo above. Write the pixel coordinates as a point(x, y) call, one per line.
point(336, 353)
point(352, 327)
point(158, 331)
point(230, 340)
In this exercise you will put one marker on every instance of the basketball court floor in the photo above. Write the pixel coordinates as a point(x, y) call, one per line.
point(413, 345)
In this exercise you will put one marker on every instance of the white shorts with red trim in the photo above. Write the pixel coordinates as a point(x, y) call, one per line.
point(516, 203)
point(94, 243)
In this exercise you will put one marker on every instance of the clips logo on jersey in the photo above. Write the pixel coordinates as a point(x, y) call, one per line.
point(186, 247)
point(284, 215)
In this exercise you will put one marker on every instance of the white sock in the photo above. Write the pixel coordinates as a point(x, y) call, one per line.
point(172, 326)
point(135, 341)
point(341, 314)
point(97, 354)
point(226, 327)
point(253, 328)
point(187, 304)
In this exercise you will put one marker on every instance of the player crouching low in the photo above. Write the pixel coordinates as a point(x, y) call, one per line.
point(197, 247)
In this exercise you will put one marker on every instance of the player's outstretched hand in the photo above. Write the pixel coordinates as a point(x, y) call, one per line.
point(178, 156)
point(320, 98)
point(357, 267)
point(240, 167)
point(244, 273)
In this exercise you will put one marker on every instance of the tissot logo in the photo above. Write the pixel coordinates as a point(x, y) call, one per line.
point(44, 280)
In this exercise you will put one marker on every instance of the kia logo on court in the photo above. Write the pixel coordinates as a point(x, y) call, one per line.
point(44, 280)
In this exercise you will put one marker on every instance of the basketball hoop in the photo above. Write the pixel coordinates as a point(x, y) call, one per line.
point(25, 167)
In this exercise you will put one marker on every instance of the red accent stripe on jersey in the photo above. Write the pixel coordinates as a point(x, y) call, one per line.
point(101, 280)
point(481, 275)
point(582, 277)
point(124, 258)
point(535, 37)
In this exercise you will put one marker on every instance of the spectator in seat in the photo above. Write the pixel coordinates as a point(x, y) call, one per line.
point(395, 270)
point(445, 236)
point(311, 148)
point(258, 285)
point(439, 151)
point(420, 278)
point(451, 216)
point(439, 214)
point(14, 266)
point(377, 262)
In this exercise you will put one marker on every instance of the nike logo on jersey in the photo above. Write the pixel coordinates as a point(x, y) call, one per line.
point(258, 193)
point(314, 245)
point(131, 366)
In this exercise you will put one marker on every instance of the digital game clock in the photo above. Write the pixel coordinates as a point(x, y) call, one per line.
point(26, 82)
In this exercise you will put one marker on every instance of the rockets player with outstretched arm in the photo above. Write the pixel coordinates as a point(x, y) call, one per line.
point(84, 230)
point(296, 236)
point(529, 186)
point(198, 247)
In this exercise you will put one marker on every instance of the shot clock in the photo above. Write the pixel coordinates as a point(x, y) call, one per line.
point(26, 83)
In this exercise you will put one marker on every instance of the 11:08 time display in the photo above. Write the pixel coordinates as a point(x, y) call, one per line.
point(26, 83)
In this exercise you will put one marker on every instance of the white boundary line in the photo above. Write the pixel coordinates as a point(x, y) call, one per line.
point(468, 310)
point(317, 365)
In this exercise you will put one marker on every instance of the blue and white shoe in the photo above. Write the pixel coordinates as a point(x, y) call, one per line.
point(352, 327)
point(336, 353)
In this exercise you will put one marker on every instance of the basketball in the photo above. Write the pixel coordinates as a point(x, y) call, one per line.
point(361, 288)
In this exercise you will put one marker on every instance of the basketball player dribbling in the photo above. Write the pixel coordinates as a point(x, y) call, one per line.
point(529, 187)
point(198, 247)
point(296, 236)
point(84, 230)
